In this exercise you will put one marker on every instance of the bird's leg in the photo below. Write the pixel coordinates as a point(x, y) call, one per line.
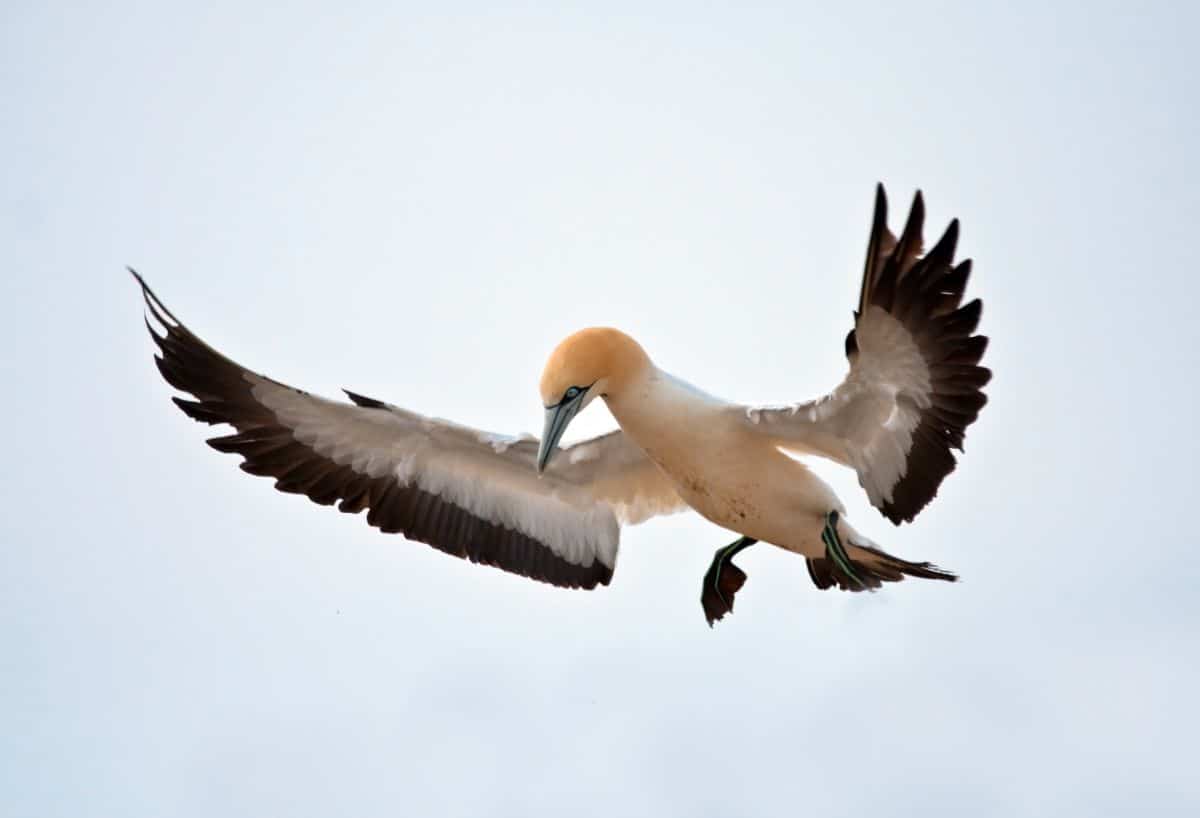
point(835, 551)
point(723, 580)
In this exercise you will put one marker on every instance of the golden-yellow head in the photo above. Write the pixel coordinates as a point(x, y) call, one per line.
point(591, 362)
point(597, 356)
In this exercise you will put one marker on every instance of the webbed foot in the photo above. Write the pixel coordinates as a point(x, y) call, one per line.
point(723, 581)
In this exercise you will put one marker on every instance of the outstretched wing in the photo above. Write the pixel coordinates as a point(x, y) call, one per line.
point(469, 493)
point(914, 384)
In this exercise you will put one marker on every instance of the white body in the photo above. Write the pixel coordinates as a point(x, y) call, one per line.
point(723, 467)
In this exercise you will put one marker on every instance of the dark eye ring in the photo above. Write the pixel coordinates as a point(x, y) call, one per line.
point(572, 393)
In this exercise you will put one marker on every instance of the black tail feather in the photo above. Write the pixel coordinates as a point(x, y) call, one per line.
point(881, 567)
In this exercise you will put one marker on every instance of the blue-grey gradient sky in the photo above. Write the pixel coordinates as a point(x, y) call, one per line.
point(417, 202)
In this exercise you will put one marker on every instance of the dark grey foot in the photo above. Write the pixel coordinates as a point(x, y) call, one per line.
point(723, 581)
point(835, 551)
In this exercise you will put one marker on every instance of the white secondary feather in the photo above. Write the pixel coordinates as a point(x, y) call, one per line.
point(867, 422)
point(574, 508)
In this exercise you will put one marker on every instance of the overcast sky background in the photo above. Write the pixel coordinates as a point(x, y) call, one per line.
point(417, 203)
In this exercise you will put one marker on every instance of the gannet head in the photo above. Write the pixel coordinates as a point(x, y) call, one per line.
point(591, 362)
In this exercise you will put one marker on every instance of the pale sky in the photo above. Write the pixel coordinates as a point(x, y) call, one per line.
point(417, 203)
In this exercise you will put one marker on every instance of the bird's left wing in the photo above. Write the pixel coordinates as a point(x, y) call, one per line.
point(914, 384)
point(469, 493)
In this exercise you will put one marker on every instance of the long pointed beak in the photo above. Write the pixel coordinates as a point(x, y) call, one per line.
point(557, 418)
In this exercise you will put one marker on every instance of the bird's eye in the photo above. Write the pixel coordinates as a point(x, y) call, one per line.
point(572, 393)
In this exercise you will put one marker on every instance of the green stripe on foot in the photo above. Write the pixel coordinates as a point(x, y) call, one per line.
point(835, 550)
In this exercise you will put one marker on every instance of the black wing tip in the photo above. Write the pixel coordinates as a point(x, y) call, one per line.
point(950, 235)
point(915, 224)
point(941, 256)
point(881, 199)
point(970, 313)
point(879, 217)
point(153, 302)
point(881, 208)
point(146, 291)
point(364, 401)
point(871, 266)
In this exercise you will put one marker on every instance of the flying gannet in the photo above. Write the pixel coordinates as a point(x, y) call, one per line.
point(524, 506)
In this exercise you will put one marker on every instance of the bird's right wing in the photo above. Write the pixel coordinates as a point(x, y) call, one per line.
point(466, 492)
point(914, 384)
